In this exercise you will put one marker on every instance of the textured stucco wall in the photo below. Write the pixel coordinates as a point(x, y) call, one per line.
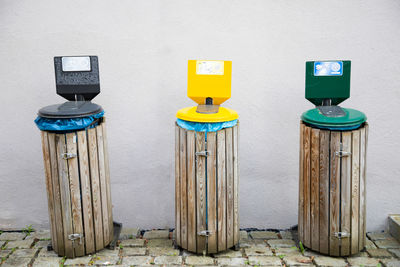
point(143, 48)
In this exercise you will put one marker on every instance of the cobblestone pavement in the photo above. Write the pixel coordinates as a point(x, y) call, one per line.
point(156, 248)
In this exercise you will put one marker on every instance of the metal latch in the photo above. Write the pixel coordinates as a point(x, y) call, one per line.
point(68, 155)
point(202, 153)
point(341, 235)
point(204, 233)
point(74, 237)
point(342, 153)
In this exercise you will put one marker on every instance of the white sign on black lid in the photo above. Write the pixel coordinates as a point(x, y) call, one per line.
point(76, 64)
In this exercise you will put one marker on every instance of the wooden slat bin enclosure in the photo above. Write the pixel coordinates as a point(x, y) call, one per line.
point(332, 213)
point(78, 190)
point(206, 190)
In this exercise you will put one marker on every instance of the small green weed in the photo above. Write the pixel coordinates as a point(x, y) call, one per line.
point(301, 247)
point(28, 229)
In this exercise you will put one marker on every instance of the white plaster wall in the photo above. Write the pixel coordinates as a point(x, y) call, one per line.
point(143, 48)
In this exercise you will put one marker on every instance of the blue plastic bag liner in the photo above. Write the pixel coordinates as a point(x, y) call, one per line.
point(68, 124)
point(205, 126)
point(348, 128)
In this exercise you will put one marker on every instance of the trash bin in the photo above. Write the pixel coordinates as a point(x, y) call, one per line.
point(333, 146)
point(206, 162)
point(75, 154)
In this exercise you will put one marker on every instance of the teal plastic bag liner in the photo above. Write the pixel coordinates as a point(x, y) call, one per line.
point(205, 126)
point(68, 124)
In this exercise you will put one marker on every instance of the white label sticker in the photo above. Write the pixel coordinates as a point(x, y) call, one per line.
point(75, 63)
point(208, 67)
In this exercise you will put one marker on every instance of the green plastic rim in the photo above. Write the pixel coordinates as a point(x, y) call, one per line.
point(352, 118)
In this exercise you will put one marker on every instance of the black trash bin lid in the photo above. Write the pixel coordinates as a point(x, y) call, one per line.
point(70, 109)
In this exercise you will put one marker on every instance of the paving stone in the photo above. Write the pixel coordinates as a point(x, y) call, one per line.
point(286, 234)
point(199, 260)
point(395, 251)
point(134, 251)
point(46, 262)
point(263, 235)
point(230, 261)
point(370, 244)
point(138, 260)
point(16, 262)
point(163, 252)
point(287, 251)
point(129, 233)
point(243, 235)
point(12, 236)
point(252, 243)
point(264, 261)
point(378, 235)
point(133, 243)
point(324, 261)
point(24, 253)
point(105, 260)
point(156, 234)
point(387, 243)
point(2, 243)
point(379, 253)
point(168, 260)
point(20, 244)
point(228, 254)
point(108, 252)
point(45, 253)
point(281, 243)
point(294, 260)
point(391, 262)
point(310, 253)
point(42, 244)
point(258, 251)
point(78, 261)
point(41, 235)
point(160, 243)
point(359, 254)
point(363, 261)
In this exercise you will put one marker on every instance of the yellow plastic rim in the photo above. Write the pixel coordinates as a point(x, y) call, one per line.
point(190, 114)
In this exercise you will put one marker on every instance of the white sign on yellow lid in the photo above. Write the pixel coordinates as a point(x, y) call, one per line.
point(209, 67)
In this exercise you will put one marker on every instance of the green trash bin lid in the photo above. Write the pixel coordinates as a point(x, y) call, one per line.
point(353, 119)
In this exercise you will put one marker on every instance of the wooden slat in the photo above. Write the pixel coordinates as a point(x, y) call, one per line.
point(65, 194)
point(345, 192)
point(307, 187)
point(212, 191)
point(355, 193)
point(95, 185)
point(236, 235)
point(230, 185)
point(362, 190)
point(59, 235)
point(177, 187)
point(315, 189)
point(221, 179)
point(183, 184)
point(86, 192)
point(108, 182)
point(49, 188)
point(75, 187)
point(191, 192)
point(365, 185)
point(103, 185)
point(301, 185)
point(324, 182)
point(334, 195)
point(201, 191)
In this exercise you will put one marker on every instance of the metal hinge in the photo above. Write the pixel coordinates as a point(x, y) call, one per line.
point(74, 237)
point(341, 235)
point(203, 153)
point(68, 155)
